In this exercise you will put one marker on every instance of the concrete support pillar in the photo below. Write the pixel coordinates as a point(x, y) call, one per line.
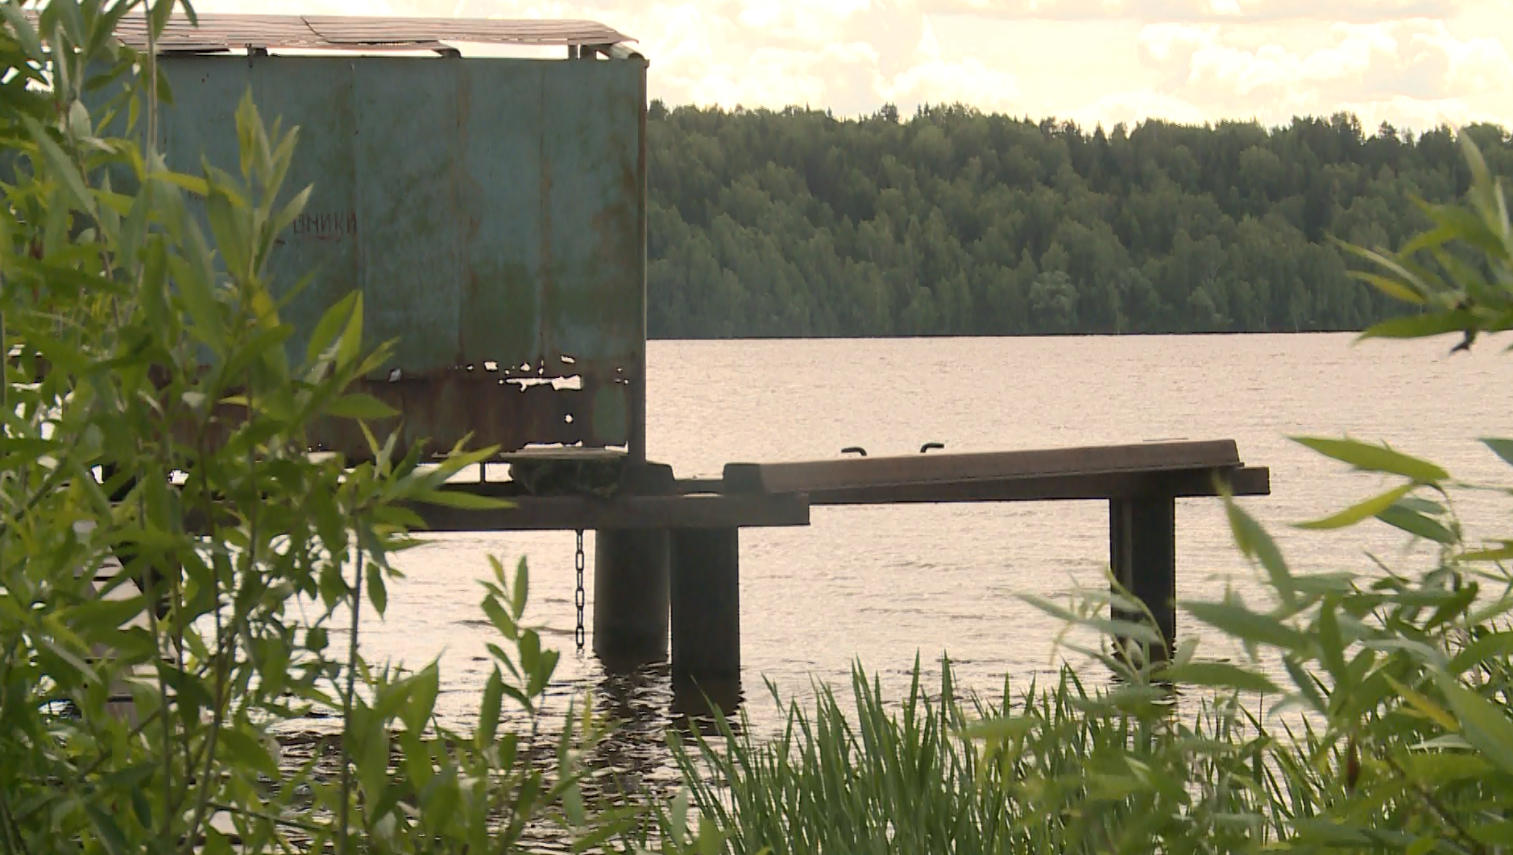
point(706, 609)
point(1143, 552)
point(630, 597)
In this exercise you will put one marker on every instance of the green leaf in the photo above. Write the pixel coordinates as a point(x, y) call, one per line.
point(60, 166)
point(78, 121)
point(440, 799)
point(68, 656)
point(500, 618)
point(1499, 553)
point(349, 346)
point(1133, 699)
point(1219, 675)
point(1485, 726)
point(249, 750)
point(488, 714)
point(360, 405)
point(1001, 728)
point(1437, 768)
point(422, 701)
point(98, 615)
point(228, 225)
point(1362, 510)
point(453, 498)
point(1416, 523)
point(290, 212)
point(316, 638)
point(1307, 686)
point(195, 278)
point(377, 592)
point(1108, 627)
point(1394, 288)
point(1498, 645)
point(329, 326)
point(1242, 623)
point(520, 589)
point(1331, 644)
point(1429, 709)
point(26, 34)
point(1496, 833)
point(1425, 653)
point(1400, 269)
point(1421, 326)
point(109, 832)
point(1501, 447)
point(1375, 458)
point(134, 231)
point(1423, 846)
point(1254, 541)
point(160, 12)
point(192, 183)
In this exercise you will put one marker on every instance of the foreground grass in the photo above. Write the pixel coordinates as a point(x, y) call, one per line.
point(1055, 768)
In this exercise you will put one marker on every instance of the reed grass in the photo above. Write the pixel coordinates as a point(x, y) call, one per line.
point(1058, 768)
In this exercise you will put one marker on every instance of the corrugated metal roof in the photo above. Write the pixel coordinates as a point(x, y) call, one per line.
point(219, 32)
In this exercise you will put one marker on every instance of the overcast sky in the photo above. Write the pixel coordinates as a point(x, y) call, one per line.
point(1411, 62)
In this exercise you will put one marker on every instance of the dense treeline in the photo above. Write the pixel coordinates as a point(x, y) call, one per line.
point(953, 222)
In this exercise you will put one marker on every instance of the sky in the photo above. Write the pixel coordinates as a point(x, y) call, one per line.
point(1414, 63)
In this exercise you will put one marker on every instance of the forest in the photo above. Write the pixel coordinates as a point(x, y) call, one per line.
point(954, 222)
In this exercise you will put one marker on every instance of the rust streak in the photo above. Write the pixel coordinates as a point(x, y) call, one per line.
point(547, 279)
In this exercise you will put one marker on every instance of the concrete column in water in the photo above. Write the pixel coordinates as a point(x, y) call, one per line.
point(1143, 551)
point(706, 608)
point(630, 597)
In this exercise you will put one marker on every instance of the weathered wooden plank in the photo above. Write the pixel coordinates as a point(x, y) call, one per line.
point(565, 513)
point(1245, 481)
point(819, 476)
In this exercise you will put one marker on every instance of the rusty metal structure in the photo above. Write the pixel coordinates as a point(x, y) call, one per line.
point(491, 210)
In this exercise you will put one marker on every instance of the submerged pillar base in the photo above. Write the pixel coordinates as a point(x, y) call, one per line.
point(1143, 552)
point(706, 609)
point(631, 579)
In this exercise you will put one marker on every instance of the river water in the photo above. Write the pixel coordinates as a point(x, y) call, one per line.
point(881, 585)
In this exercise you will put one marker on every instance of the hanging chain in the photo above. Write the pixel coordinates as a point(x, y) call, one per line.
point(578, 594)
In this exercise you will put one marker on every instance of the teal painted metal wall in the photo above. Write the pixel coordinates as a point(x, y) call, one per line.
point(492, 211)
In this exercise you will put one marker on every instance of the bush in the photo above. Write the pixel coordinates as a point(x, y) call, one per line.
point(153, 416)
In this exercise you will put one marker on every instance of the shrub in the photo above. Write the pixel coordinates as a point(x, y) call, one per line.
point(154, 415)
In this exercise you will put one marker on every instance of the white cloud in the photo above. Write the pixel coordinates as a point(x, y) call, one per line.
point(1480, 63)
point(1383, 69)
point(1217, 65)
point(797, 20)
point(1167, 44)
point(967, 81)
point(1410, 61)
point(1203, 10)
point(1418, 114)
point(1136, 106)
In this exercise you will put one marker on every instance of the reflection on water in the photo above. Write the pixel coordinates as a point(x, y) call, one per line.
point(643, 703)
point(881, 585)
point(632, 756)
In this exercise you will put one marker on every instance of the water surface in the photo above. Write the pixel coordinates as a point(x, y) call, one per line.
point(884, 584)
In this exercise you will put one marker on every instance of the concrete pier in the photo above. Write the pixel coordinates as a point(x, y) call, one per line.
point(1143, 554)
point(631, 583)
point(706, 608)
point(668, 551)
